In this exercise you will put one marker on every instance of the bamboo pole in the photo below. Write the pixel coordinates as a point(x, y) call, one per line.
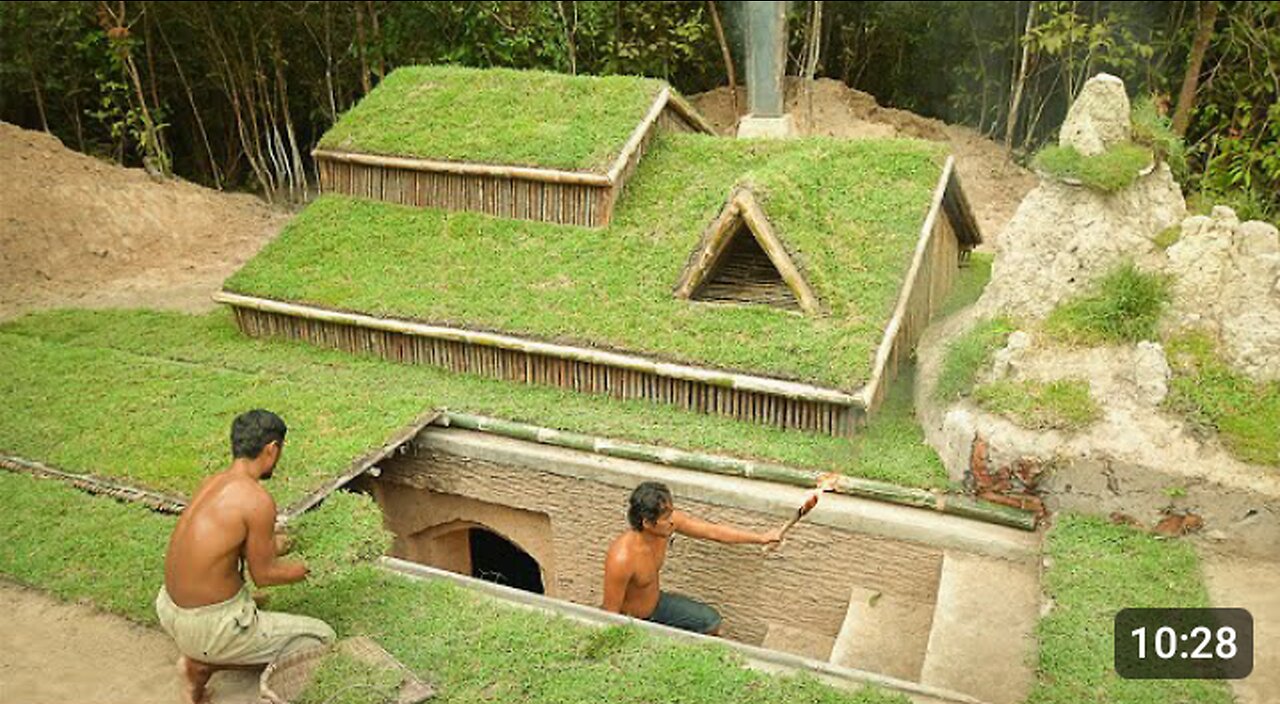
point(465, 169)
point(870, 394)
point(165, 503)
point(766, 385)
point(851, 486)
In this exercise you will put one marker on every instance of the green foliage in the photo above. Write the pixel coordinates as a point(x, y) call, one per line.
point(969, 354)
point(348, 531)
point(849, 211)
point(1113, 170)
point(1064, 404)
point(172, 383)
point(496, 116)
point(91, 549)
point(1216, 399)
point(342, 679)
point(1096, 570)
point(1155, 131)
point(1123, 306)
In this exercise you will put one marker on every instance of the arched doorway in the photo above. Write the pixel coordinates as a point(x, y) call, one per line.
point(498, 560)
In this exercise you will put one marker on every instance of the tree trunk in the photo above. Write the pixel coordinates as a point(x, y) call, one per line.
point(1208, 15)
point(1011, 125)
point(364, 64)
point(569, 30)
point(729, 69)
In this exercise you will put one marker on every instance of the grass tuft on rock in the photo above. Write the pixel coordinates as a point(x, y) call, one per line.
point(967, 355)
point(1113, 170)
point(1215, 399)
point(1064, 404)
point(1124, 306)
point(1153, 130)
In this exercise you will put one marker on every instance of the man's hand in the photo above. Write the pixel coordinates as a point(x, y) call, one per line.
point(772, 537)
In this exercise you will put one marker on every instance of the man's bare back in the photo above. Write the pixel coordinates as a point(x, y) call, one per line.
point(642, 560)
point(204, 562)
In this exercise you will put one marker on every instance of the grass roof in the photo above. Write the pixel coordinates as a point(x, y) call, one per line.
point(497, 116)
point(849, 212)
point(149, 397)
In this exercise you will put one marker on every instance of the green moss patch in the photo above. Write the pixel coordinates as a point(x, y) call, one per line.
point(1096, 570)
point(497, 116)
point(850, 212)
point(1244, 414)
point(1113, 170)
point(1064, 404)
point(149, 397)
point(969, 354)
point(91, 549)
point(1124, 306)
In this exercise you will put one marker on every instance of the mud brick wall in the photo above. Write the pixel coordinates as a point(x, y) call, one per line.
point(804, 585)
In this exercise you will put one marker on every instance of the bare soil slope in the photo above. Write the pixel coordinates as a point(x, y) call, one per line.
point(76, 231)
point(994, 183)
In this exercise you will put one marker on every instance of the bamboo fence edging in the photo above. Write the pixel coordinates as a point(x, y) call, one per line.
point(164, 503)
point(684, 109)
point(950, 504)
point(578, 178)
point(359, 466)
point(711, 377)
point(638, 135)
point(870, 391)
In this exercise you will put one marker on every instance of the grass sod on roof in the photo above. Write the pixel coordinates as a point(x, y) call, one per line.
point(1096, 570)
point(149, 397)
point(850, 212)
point(497, 116)
point(85, 548)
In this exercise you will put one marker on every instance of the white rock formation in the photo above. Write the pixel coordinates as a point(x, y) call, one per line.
point(1226, 280)
point(1099, 118)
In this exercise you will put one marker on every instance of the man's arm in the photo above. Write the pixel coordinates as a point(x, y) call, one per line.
point(617, 575)
point(260, 547)
point(706, 530)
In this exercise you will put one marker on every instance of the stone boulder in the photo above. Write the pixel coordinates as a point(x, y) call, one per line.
point(1099, 117)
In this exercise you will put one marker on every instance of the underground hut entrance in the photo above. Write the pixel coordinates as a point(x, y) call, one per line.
point(496, 559)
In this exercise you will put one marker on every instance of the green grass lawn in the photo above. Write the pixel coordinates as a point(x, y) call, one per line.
point(850, 212)
point(497, 116)
point(967, 355)
point(1098, 569)
point(149, 397)
point(84, 548)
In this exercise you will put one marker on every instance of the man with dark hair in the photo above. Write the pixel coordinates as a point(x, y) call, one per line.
point(205, 604)
point(634, 561)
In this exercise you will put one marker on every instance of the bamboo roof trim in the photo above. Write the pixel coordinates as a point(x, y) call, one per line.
point(741, 209)
point(745, 382)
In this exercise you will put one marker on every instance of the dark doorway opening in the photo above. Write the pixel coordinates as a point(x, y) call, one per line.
point(496, 559)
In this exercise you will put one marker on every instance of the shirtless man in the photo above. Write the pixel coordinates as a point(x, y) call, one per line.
point(204, 603)
point(635, 559)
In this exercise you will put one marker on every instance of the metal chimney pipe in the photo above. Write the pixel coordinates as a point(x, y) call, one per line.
point(766, 56)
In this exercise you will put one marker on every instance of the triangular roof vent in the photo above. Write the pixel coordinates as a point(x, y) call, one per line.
point(741, 260)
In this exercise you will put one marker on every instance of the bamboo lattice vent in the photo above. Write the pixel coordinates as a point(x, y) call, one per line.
point(745, 274)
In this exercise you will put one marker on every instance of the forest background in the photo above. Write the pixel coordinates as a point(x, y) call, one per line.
point(235, 94)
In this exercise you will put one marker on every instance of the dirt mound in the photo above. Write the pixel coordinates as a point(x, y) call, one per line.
point(78, 231)
point(993, 182)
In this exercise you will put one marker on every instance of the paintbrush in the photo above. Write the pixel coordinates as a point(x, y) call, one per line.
point(826, 482)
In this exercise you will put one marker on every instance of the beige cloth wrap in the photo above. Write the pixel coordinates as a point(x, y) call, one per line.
point(235, 632)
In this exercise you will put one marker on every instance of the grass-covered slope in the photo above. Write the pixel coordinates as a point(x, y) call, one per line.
point(850, 212)
point(497, 116)
point(149, 397)
point(84, 548)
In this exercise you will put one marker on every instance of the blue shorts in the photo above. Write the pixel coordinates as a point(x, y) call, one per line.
point(684, 613)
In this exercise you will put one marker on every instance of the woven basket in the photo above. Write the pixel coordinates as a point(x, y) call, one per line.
point(284, 680)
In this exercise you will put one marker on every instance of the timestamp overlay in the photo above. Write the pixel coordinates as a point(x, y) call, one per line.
point(1184, 644)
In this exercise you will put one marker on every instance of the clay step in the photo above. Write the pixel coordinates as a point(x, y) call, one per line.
point(797, 641)
point(883, 633)
point(982, 641)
